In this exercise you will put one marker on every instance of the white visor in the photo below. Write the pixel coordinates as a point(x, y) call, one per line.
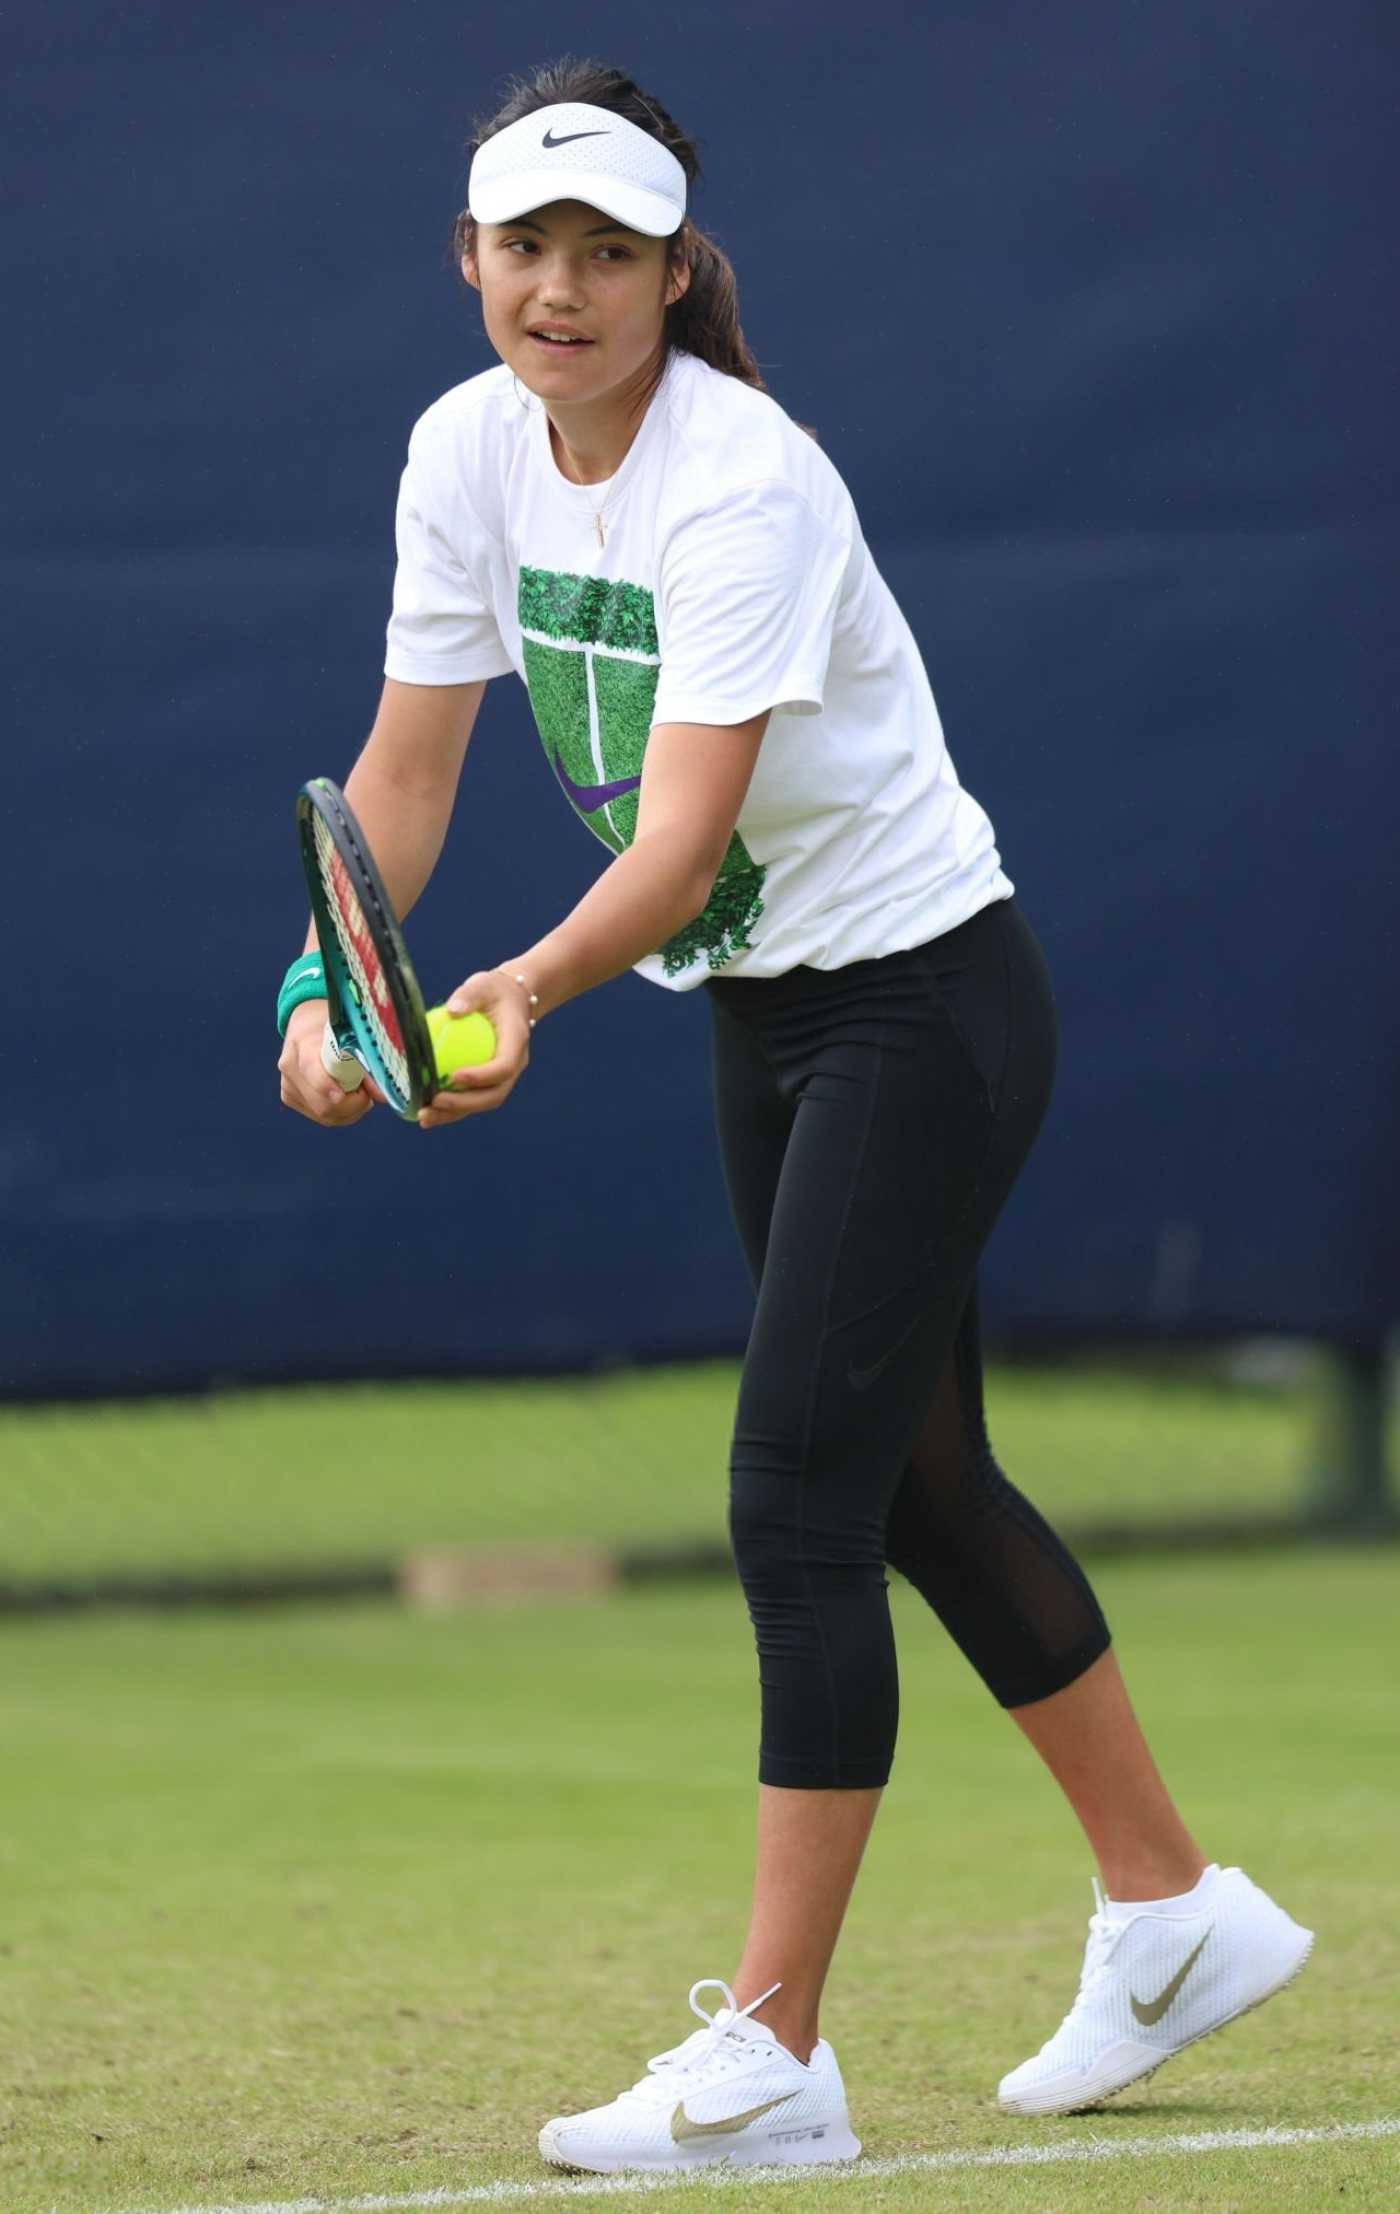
point(574, 151)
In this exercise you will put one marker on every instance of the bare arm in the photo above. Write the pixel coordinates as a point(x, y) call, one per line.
point(694, 778)
point(401, 789)
point(403, 785)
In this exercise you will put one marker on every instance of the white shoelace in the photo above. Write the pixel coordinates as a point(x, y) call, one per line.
point(1103, 1938)
point(707, 2051)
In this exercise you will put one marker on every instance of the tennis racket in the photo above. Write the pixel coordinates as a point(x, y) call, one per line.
point(377, 1023)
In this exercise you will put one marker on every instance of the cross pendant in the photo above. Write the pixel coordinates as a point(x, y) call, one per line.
point(598, 526)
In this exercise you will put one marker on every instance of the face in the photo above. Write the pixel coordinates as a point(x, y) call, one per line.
point(572, 265)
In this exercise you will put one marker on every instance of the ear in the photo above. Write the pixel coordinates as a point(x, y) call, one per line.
point(469, 271)
point(678, 280)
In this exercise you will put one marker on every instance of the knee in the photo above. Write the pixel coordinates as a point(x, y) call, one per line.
point(764, 1523)
point(789, 1532)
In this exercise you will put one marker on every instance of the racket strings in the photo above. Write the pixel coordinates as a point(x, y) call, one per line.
point(358, 951)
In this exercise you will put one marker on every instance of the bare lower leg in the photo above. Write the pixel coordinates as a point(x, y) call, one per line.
point(809, 1849)
point(1089, 1739)
point(810, 1844)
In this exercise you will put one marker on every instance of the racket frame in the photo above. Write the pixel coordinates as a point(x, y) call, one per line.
point(321, 797)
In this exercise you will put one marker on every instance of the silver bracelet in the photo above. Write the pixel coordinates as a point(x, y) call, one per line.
point(533, 997)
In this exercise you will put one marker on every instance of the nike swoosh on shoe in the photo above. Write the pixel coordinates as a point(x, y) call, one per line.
point(1149, 2011)
point(682, 2126)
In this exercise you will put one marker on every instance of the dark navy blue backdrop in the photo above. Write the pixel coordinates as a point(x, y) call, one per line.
point(1093, 308)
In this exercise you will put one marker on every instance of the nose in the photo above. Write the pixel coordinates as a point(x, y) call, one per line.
point(558, 278)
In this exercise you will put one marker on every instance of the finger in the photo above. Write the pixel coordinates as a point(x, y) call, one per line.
point(447, 1107)
point(332, 1101)
point(479, 1076)
point(441, 1109)
point(322, 1102)
point(349, 1107)
point(473, 996)
point(334, 1114)
point(458, 1095)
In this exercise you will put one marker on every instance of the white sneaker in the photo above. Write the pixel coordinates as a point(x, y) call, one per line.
point(1155, 1983)
point(729, 2092)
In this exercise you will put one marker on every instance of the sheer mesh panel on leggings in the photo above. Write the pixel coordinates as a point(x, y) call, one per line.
point(992, 1569)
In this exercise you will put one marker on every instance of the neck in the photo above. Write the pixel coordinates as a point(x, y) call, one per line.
point(591, 441)
point(584, 456)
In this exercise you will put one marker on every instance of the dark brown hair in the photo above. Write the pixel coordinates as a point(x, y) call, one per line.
point(705, 319)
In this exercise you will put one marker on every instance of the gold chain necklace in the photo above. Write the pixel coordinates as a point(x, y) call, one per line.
point(597, 516)
point(597, 512)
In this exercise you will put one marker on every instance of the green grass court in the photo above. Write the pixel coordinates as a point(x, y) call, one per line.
point(337, 1903)
point(237, 1479)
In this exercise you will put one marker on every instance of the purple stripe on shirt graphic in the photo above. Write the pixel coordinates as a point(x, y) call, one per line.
point(588, 797)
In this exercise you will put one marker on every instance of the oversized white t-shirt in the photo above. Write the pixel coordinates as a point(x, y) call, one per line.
point(734, 577)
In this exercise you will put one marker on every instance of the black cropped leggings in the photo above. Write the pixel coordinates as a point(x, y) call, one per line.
point(872, 1121)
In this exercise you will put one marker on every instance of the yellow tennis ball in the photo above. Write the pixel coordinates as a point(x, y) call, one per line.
point(460, 1041)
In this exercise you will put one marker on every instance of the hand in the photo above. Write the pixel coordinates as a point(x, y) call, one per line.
point(306, 1086)
point(473, 1090)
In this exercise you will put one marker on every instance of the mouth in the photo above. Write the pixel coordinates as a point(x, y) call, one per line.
point(559, 342)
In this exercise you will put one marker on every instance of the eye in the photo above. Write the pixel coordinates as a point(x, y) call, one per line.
point(510, 243)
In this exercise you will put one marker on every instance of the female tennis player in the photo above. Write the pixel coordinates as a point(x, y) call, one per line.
point(730, 699)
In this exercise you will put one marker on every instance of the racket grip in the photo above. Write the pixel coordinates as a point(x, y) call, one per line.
point(342, 1066)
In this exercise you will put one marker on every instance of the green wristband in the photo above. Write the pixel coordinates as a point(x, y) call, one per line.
point(305, 979)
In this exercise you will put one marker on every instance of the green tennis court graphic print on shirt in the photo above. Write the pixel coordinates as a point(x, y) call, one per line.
point(591, 664)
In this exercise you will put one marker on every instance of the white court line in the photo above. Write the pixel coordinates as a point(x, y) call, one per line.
point(719, 2178)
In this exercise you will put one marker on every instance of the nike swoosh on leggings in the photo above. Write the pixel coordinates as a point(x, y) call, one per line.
point(863, 1378)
